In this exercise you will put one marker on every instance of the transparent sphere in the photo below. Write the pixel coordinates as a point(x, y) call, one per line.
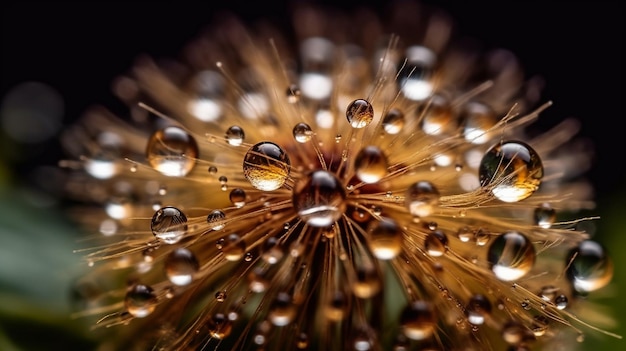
point(172, 151)
point(360, 113)
point(370, 164)
point(302, 133)
point(393, 122)
point(169, 224)
point(235, 135)
point(477, 309)
point(512, 170)
point(511, 256)
point(418, 320)
point(319, 198)
point(589, 268)
point(266, 166)
point(385, 238)
point(140, 301)
point(215, 219)
point(421, 198)
point(544, 216)
point(180, 266)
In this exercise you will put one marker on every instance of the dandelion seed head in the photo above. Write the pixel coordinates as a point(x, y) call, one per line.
point(341, 192)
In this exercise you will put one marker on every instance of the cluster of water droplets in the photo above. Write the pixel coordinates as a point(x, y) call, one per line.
point(281, 217)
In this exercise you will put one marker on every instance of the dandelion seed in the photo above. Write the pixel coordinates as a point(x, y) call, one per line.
point(378, 194)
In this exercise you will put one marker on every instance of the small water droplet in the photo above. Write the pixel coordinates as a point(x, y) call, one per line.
point(512, 170)
point(212, 170)
point(540, 325)
point(215, 219)
point(367, 283)
point(140, 301)
point(266, 166)
point(172, 151)
point(219, 326)
point(238, 197)
point(478, 119)
point(319, 198)
point(421, 198)
point(393, 122)
point(589, 267)
point(371, 164)
point(561, 302)
point(436, 115)
point(220, 296)
point(511, 256)
point(235, 135)
point(436, 243)
point(169, 224)
point(282, 311)
point(234, 248)
point(302, 133)
point(385, 238)
point(544, 216)
point(465, 234)
point(477, 309)
point(418, 320)
point(180, 266)
point(293, 94)
point(360, 113)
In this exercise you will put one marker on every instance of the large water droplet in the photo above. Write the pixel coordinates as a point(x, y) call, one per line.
point(180, 266)
point(511, 256)
point(589, 267)
point(360, 113)
point(512, 170)
point(370, 164)
point(418, 320)
point(140, 300)
point(266, 166)
point(319, 198)
point(421, 198)
point(172, 151)
point(169, 224)
point(385, 238)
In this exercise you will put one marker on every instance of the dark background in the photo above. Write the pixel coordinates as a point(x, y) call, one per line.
point(78, 48)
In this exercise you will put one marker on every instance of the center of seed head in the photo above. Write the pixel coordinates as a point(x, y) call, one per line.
point(319, 198)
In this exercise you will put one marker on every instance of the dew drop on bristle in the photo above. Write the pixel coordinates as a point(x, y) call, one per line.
point(237, 197)
point(385, 238)
point(319, 198)
point(140, 300)
point(436, 243)
point(266, 166)
point(215, 219)
point(370, 164)
point(511, 256)
point(589, 267)
point(512, 170)
point(421, 198)
point(360, 113)
point(169, 224)
point(235, 135)
point(172, 151)
point(477, 119)
point(219, 326)
point(282, 312)
point(436, 116)
point(561, 302)
point(416, 75)
point(393, 122)
point(418, 320)
point(477, 309)
point(180, 266)
point(544, 216)
point(234, 248)
point(302, 133)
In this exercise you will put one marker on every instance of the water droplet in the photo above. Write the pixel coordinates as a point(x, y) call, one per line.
point(169, 224)
point(421, 198)
point(477, 309)
point(212, 170)
point(478, 119)
point(465, 234)
point(526, 305)
point(282, 312)
point(293, 94)
point(336, 306)
point(235, 135)
point(234, 248)
point(561, 302)
point(418, 320)
point(257, 281)
point(101, 166)
point(393, 122)
point(544, 216)
point(319, 198)
point(220, 296)
point(512, 170)
point(589, 267)
point(172, 151)
point(238, 197)
point(215, 219)
point(272, 252)
point(481, 237)
point(513, 332)
point(436, 116)
point(118, 208)
point(366, 284)
point(180, 266)
point(219, 326)
point(415, 76)
point(548, 293)
point(385, 238)
point(140, 301)
point(370, 164)
point(302, 342)
point(511, 256)
point(360, 113)
point(540, 325)
point(302, 133)
point(266, 166)
point(435, 243)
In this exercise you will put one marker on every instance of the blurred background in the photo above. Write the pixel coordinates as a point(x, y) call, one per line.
point(60, 58)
